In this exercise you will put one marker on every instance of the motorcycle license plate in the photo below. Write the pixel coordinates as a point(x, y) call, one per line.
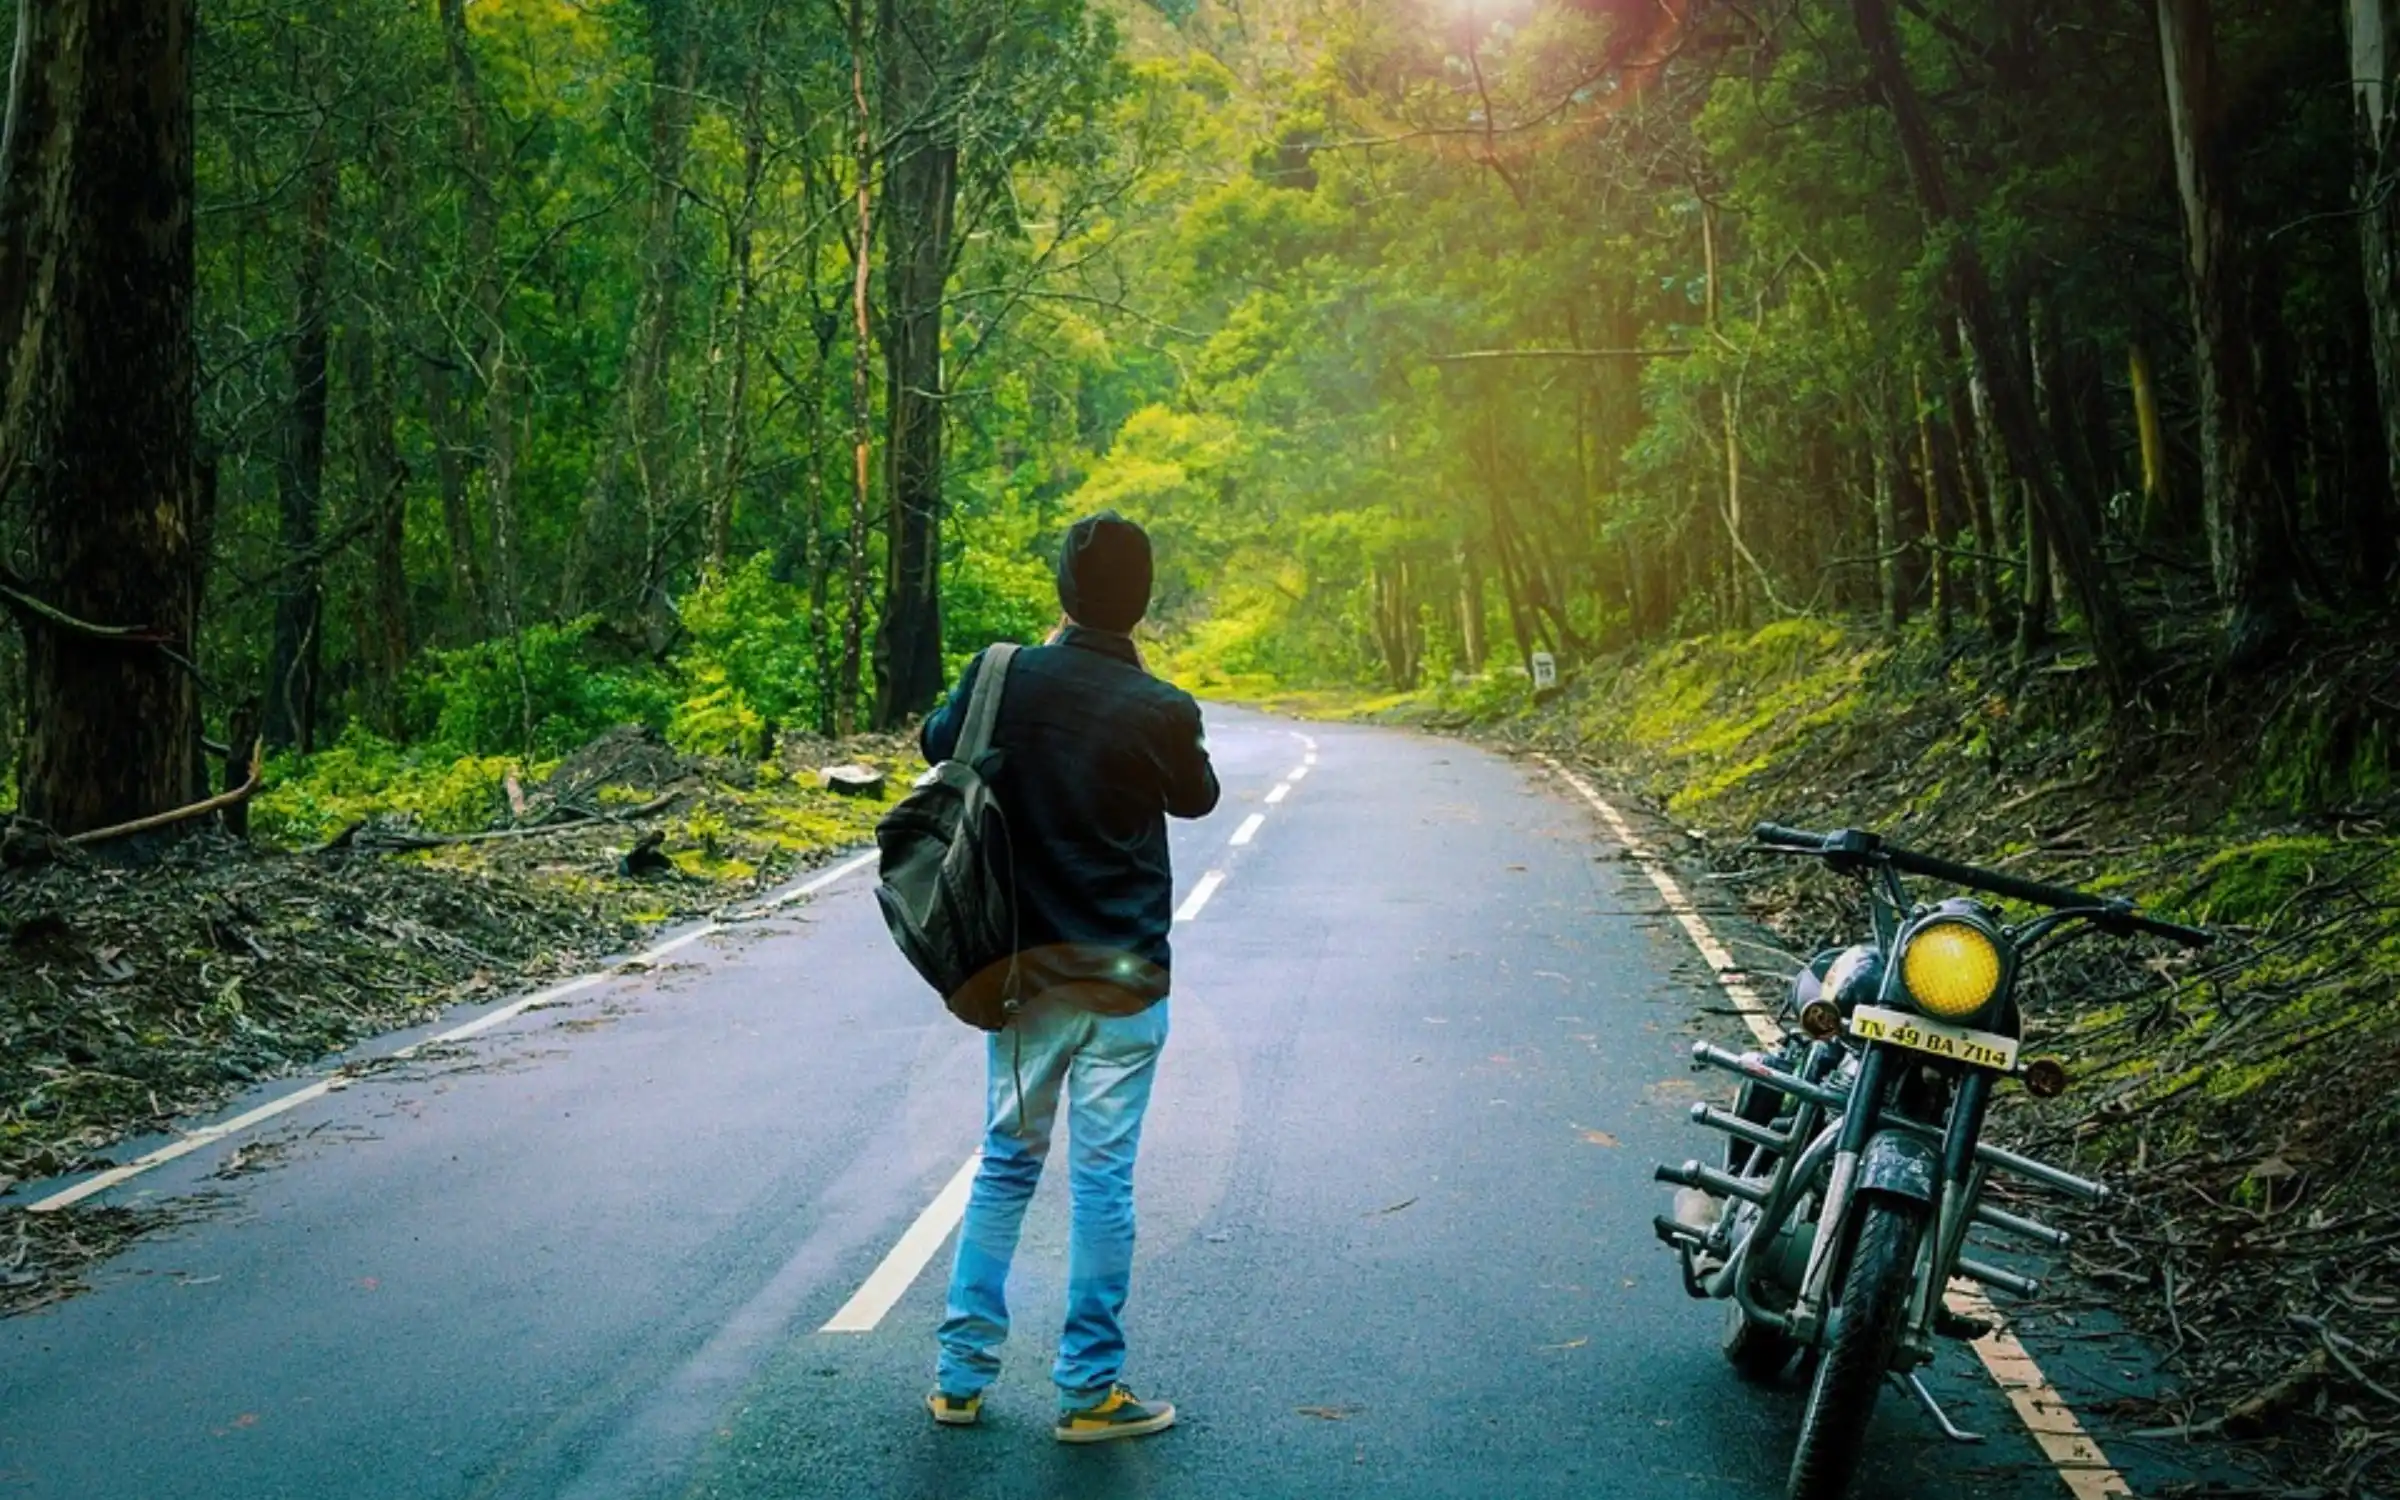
point(1983, 1049)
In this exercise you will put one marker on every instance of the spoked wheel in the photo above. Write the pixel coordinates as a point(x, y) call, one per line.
point(1865, 1326)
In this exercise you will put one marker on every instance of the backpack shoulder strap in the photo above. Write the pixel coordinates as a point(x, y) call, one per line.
point(983, 710)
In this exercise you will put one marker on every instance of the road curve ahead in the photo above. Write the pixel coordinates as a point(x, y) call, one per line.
point(1430, 1034)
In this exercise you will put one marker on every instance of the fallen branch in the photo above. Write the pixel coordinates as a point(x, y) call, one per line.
point(2339, 1347)
point(155, 821)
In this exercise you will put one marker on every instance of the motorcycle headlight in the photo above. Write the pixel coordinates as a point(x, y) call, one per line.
point(1952, 969)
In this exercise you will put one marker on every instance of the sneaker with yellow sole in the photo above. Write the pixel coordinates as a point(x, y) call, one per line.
point(1121, 1414)
point(954, 1411)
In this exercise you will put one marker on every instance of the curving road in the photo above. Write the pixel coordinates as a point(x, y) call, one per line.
point(1430, 1035)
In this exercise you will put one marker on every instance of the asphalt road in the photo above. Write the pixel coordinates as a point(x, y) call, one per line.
point(1430, 1034)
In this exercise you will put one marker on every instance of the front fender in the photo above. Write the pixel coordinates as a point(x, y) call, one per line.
point(1898, 1166)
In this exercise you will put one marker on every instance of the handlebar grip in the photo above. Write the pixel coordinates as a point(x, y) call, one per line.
point(1788, 838)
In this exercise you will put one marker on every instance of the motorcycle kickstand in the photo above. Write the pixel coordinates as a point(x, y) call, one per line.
point(1933, 1409)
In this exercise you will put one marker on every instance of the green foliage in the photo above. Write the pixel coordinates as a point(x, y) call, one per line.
point(554, 679)
point(748, 662)
point(307, 801)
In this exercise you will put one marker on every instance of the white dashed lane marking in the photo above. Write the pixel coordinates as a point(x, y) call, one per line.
point(2044, 1411)
point(1249, 829)
point(1199, 896)
point(889, 1281)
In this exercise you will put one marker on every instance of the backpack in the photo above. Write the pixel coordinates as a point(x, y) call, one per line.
point(947, 873)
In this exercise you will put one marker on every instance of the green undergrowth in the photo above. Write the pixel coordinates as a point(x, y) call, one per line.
point(2247, 1094)
point(725, 825)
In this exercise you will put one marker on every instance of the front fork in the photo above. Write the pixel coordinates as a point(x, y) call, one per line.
point(1858, 1124)
point(1955, 1193)
point(1954, 1206)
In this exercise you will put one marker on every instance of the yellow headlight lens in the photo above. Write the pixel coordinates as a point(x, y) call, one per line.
point(1952, 969)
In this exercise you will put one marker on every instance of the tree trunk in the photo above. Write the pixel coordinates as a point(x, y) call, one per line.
point(2249, 529)
point(96, 294)
point(1909, 571)
point(1943, 477)
point(293, 663)
point(919, 208)
point(383, 495)
point(2069, 517)
point(862, 381)
point(2367, 524)
point(726, 491)
point(2158, 496)
point(448, 425)
point(490, 312)
point(1470, 608)
point(638, 432)
point(2375, 74)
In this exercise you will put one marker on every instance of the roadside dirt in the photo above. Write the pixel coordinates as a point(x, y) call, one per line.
point(140, 987)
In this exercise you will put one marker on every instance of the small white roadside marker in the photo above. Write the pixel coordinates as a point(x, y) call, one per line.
point(890, 1281)
point(1199, 896)
point(1249, 829)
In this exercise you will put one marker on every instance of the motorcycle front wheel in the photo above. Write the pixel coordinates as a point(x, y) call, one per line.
point(1857, 1352)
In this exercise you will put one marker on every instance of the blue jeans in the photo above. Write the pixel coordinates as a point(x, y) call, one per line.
point(1105, 1065)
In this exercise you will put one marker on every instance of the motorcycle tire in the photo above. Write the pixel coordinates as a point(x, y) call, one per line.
point(1858, 1352)
point(1757, 1353)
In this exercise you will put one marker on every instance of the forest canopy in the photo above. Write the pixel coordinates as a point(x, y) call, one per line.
point(516, 368)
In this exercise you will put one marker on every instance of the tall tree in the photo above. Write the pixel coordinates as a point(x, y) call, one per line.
point(923, 54)
point(639, 432)
point(2375, 78)
point(2248, 510)
point(97, 434)
point(293, 665)
point(2069, 517)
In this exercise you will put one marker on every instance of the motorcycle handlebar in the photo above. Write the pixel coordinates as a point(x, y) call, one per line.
point(2109, 914)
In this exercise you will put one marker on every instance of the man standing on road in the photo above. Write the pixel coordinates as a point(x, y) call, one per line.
point(1094, 754)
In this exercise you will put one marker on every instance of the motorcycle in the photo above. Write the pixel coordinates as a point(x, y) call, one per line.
point(1855, 1163)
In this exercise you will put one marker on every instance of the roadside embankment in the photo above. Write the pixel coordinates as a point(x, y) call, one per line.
point(140, 987)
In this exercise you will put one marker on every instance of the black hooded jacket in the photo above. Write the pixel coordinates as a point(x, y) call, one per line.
point(1094, 755)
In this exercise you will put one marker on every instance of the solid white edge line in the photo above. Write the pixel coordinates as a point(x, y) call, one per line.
point(206, 1136)
point(2080, 1463)
point(209, 1135)
point(1281, 790)
point(1199, 896)
point(890, 1281)
point(1249, 829)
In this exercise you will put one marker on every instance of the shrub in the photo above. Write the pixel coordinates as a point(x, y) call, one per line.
point(480, 699)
